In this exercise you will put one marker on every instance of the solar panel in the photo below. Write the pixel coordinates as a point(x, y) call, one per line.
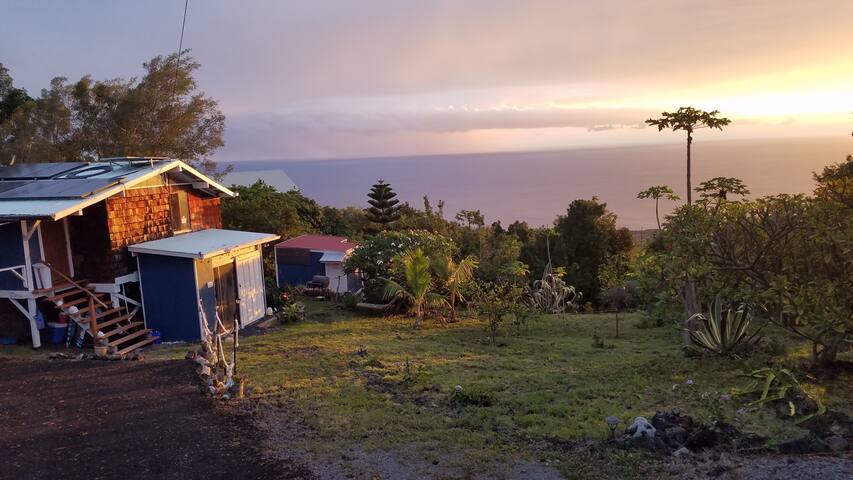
point(9, 185)
point(50, 189)
point(37, 170)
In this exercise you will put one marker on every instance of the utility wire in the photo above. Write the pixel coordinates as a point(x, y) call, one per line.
point(180, 49)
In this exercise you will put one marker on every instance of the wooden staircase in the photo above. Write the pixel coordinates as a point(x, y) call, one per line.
point(112, 326)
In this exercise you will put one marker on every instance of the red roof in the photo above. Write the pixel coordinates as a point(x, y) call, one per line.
point(326, 243)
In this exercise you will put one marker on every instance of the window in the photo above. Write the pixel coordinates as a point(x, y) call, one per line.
point(180, 209)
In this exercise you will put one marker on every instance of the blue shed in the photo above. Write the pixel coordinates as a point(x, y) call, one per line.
point(301, 258)
point(217, 271)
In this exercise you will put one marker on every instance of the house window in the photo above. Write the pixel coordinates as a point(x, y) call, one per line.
point(180, 208)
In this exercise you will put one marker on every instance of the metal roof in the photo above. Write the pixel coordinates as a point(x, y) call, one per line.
point(274, 178)
point(203, 243)
point(332, 257)
point(56, 190)
point(318, 243)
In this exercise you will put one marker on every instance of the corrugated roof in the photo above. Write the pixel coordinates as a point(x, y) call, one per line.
point(69, 190)
point(319, 243)
point(277, 179)
point(203, 243)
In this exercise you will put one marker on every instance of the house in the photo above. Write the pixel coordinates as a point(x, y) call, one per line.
point(274, 178)
point(125, 246)
point(299, 259)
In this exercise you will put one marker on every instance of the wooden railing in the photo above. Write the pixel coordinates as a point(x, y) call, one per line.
point(14, 270)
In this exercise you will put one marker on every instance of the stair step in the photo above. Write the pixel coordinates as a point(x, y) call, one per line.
point(100, 314)
point(79, 301)
point(113, 321)
point(133, 347)
point(121, 329)
point(67, 293)
point(61, 286)
point(124, 339)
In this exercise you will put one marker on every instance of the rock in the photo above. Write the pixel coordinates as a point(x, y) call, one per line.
point(703, 437)
point(681, 452)
point(836, 443)
point(795, 446)
point(675, 436)
point(641, 428)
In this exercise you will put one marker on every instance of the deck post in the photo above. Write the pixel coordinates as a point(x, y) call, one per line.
point(93, 320)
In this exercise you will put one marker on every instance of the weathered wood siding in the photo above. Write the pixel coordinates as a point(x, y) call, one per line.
point(143, 214)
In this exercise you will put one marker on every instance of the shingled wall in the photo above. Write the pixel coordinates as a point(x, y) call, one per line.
point(143, 214)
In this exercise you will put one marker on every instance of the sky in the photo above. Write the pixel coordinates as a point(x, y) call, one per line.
point(338, 79)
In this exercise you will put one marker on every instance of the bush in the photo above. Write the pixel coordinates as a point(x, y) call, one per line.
point(375, 257)
point(349, 300)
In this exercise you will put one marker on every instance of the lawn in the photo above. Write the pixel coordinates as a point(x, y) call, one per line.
point(367, 384)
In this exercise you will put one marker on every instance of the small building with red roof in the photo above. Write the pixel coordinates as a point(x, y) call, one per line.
point(303, 259)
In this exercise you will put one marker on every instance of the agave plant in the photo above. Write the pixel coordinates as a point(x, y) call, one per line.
point(722, 332)
point(552, 295)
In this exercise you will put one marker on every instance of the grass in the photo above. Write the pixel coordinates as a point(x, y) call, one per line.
point(375, 384)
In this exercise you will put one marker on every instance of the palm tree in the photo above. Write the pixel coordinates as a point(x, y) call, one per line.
point(417, 291)
point(689, 119)
point(454, 276)
point(657, 192)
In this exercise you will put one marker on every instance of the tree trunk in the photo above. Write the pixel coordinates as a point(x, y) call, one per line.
point(691, 307)
point(657, 216)
point(689, 187)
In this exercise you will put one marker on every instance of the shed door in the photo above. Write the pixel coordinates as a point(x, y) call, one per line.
point(55, 242)
point(250, 279)
point(225, 283)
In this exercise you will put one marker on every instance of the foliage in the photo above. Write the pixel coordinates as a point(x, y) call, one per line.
point(375, 256)
point(499, 303)
point(723, 332)
point(161, 114)
point(587, 237)
point(349, 300)
point(552, 295)
point(772, 384)
point(455, 277)
point(791, 254)
point(292, 312)
point(383, 209)
point(657, 192)
point(688, 119)
point(417, 291)
point(262, 208)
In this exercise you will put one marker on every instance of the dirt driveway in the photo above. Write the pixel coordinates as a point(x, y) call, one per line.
point(93, 419)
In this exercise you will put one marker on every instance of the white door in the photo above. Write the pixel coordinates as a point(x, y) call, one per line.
point(250, 286)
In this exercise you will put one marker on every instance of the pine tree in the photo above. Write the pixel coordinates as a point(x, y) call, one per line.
point(383, 208)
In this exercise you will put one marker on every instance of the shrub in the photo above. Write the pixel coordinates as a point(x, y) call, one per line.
point(722, 331)
point(552, 295)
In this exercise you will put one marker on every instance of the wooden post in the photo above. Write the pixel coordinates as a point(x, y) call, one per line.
point(93, 320)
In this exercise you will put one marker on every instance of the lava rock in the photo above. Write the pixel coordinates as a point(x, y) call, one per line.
point(795, 446)
point(675, 436)
point(836, 443)
point(703, 437)
point(683, 451)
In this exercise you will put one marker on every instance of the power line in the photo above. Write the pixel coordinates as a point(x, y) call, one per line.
point(180, 49)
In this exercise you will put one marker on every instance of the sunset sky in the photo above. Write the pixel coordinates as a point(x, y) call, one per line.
point(369, 78)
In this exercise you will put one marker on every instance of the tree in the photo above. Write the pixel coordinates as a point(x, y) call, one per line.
point(383, 208)
point(454, 276)
point(262, 208)
point(10, 97)
point(587, 237)
point(161, 115)
point(689, 119)
point(472, 218)
point(718, 189)
point(417, 289)
point(657, 192)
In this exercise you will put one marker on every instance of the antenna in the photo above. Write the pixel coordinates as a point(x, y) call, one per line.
point(180, 49)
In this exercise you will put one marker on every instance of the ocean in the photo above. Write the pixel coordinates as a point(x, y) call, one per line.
point(537, 186)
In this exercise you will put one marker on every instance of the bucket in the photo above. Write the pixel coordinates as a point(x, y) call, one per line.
point(55, 332)
point(5, 340)
point(156, 336)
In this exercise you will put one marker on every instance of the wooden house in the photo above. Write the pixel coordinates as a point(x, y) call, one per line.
point(124, 246)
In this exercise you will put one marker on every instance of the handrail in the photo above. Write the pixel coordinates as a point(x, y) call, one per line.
point(72, 282)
